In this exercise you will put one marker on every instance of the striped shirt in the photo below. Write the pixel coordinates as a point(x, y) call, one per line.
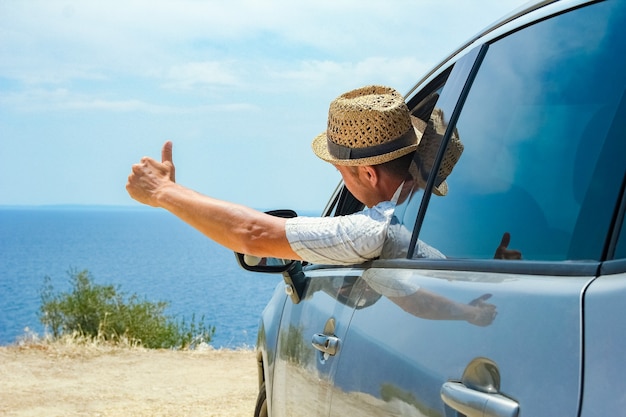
point(354, 238)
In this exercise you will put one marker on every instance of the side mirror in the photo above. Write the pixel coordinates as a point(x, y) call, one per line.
point(292, 270)
point(256, 264)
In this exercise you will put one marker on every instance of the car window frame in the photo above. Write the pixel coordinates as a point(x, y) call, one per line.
point(558, 268)
point(342, 202)
point(618, 232)
point(451, 101)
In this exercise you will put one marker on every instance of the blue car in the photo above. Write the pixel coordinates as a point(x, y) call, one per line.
point(533, 112)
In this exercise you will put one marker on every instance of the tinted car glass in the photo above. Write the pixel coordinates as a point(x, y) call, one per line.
point(439, 96)
point(544, 143)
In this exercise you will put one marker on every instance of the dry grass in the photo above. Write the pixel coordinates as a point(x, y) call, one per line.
point(76, 345)
point(75, 376)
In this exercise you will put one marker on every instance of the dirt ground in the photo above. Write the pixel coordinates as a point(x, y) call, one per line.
point(68, 380)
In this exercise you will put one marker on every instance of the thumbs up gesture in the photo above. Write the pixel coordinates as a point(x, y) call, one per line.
point(149, 176)
point(166, 159)
point(503, 251)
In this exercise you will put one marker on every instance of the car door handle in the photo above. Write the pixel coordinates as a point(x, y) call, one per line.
point(474, 403)
point(326, 344)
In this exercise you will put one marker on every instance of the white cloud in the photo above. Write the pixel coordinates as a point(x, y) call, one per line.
point(139, 36)
point(194, 75)
point(118, 69)
point(381, 70)
point(58, 100)
point(41, 100)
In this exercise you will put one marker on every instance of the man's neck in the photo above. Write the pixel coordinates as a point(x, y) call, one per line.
point(387, 188)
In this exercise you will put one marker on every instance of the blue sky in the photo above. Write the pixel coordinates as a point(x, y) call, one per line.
point(241, 87)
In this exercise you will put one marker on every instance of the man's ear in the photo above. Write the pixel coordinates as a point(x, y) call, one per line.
point(369, 174)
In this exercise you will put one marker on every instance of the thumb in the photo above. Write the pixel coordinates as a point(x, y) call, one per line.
point(506, 237)
point(480, 300)
point(166, 152)
point(166, 159)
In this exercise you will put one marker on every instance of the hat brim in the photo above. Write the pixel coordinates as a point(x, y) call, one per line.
point(441, 189)
point(320, 148)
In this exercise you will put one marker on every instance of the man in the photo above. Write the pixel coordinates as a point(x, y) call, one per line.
point(370, 139)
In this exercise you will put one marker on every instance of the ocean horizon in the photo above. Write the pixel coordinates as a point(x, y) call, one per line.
point(142, 251)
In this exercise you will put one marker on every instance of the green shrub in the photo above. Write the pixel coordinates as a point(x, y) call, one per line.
point(293, 347)
point(103, 312)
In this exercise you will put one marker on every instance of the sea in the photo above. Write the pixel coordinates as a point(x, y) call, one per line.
point(142, 251)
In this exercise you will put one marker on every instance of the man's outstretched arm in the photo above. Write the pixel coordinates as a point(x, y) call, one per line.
point(234, 226)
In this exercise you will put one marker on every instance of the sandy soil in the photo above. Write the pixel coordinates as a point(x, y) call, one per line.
point(67, 380)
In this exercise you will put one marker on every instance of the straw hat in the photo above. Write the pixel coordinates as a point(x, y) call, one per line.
point(368, 126)
point(429, 146)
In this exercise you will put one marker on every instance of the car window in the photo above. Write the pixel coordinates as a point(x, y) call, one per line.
point(542, 143)
point(399, 233)
point(440, 95)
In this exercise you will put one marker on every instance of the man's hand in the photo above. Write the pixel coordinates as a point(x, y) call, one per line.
point(148, 177)
point(503, 252)
point(484, 313)
point(166, 159)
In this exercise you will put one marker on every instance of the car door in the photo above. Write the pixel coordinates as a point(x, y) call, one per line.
point(312, 328)
point(605, 326)
point(541, 172)
point(310, 334)
point(604, 341)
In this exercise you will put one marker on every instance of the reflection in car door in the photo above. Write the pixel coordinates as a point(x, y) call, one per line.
point(397, 357)
point(311, 335)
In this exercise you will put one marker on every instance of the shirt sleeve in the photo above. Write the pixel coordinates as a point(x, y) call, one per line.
point(342, 240)
point(396, 284)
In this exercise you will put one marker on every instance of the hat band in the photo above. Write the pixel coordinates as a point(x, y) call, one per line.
point(345, 152)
